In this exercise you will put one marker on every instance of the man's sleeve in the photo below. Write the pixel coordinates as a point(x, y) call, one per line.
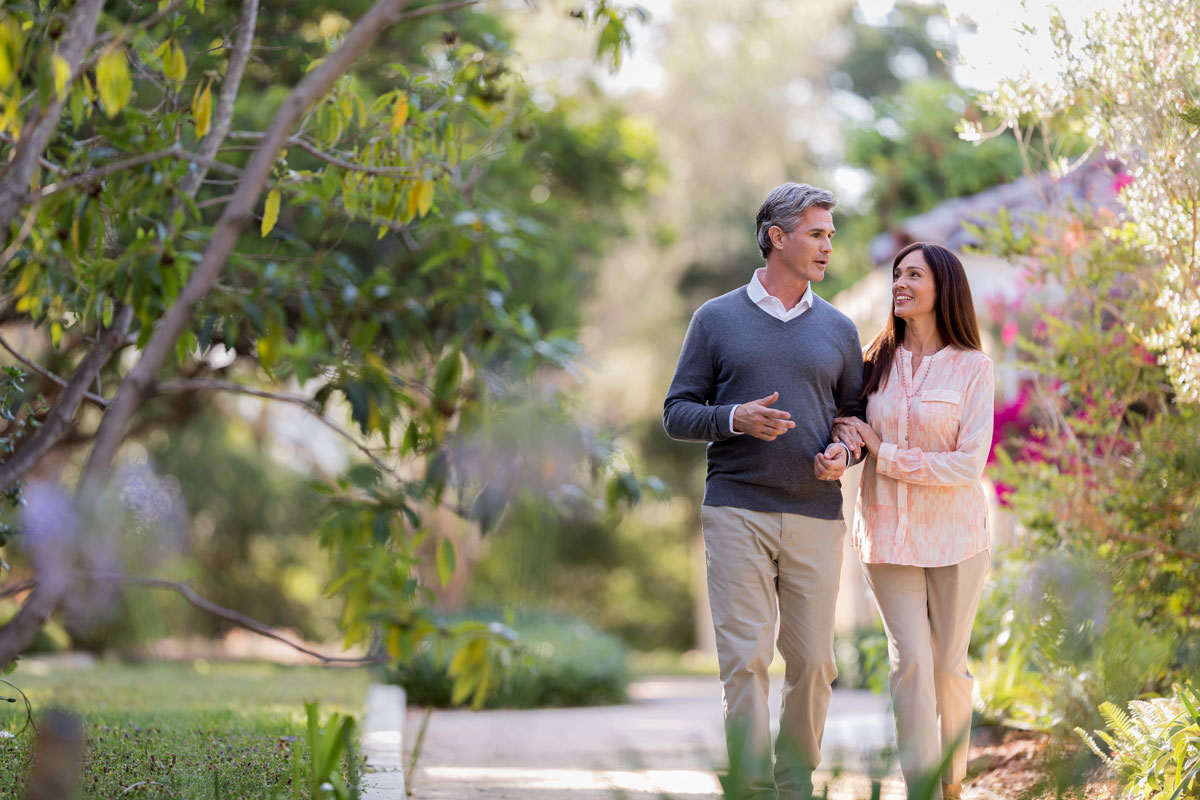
point(687, 413)
point(849, 386)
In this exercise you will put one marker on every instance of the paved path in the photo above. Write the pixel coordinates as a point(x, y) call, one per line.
point(665, 742)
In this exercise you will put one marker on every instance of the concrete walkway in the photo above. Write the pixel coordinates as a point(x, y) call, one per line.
point(665, 742)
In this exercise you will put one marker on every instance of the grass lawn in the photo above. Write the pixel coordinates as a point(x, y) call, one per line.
point(192, 731)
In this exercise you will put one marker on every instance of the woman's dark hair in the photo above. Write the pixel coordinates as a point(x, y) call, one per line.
point(953, 307)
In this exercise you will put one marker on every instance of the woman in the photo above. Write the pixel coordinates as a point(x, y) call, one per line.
point(921, 525)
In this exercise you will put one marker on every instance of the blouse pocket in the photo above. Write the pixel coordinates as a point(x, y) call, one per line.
point(941, 396)
point(938, 412)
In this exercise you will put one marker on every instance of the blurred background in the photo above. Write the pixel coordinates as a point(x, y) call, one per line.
point(635, 179)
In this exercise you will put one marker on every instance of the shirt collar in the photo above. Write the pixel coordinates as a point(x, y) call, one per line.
point(758, 293)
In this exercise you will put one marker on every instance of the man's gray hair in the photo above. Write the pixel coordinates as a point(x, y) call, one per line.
point(785, 205)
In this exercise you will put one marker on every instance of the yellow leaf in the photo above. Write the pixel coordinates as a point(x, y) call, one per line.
point(55, 333)
point(163, 52)
point(414, 195)
point(10, 119)
point(176, 68)
point(271, 212)
point(27, 276)
point(113, 81)
point(382, 232)
point(400, 113)
point(202, 109)
point(199, 5)
point(10, 51)
point(62, 74)
point(425, 197)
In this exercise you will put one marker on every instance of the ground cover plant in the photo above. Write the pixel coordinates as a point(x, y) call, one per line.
point(181, 730)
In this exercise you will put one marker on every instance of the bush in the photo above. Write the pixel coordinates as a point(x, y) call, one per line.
point(1155, 747)
point(558, 661)
point(862, 660)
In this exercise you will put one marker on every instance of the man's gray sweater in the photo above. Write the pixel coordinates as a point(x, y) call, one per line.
point(735, 352)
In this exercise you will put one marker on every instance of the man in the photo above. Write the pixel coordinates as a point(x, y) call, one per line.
point(763, 371)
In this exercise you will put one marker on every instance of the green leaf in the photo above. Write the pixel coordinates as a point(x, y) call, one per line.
point(489, 505)
point(447, 560)
point(447, 378)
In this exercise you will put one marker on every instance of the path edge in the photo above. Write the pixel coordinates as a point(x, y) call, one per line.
point(383, 743)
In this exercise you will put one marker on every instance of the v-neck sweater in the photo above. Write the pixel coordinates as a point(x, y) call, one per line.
point(735, 352)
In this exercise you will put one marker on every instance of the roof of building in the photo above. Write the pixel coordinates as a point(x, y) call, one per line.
point(1094, 184)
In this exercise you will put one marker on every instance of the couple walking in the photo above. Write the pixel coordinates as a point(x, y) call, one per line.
point(773, 378)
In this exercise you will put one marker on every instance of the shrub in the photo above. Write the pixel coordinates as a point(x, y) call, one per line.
point(862, 660)
point(558, 661)
point(1155, 746)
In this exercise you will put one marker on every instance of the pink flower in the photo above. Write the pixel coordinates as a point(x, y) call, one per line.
point(1008, 334)
point(1003, 491)
point(1122, 180)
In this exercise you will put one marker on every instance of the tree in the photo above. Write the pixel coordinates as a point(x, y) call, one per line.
point(129, 195)
point(1130, 82)
point(1103, 478)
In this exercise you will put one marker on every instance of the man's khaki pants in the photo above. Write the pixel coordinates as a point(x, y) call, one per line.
point(928, 613)
point(757, 562)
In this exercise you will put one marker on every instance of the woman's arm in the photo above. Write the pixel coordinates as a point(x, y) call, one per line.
point(965, 463)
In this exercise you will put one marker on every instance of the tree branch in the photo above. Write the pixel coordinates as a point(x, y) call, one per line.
point(309, 147)
point(234, 219)
point(438, 9)
point(60, 418)
point(134, 161)
point(17, 174)
point(211, 385)
point(230, 85)
point(94, 399)
point(209, 607)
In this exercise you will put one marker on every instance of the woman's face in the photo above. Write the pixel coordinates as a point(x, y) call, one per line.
point(913, 290)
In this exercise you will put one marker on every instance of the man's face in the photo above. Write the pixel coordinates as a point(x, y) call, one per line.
point(804, 253)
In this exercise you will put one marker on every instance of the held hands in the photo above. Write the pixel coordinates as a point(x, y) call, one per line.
point(830, 465)
point(759, 420)
point(857, 434)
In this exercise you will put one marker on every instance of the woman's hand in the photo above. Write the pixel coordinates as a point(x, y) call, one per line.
point(847, 435)
point(865, 432)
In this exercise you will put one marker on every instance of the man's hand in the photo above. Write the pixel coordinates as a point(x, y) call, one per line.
point(759, 420)
point(830, 465)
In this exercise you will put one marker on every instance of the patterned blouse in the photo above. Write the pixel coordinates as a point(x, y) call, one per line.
point(922, 503)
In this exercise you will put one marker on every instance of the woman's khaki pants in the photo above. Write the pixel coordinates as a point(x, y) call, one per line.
point(928, 613)
point(759, 562)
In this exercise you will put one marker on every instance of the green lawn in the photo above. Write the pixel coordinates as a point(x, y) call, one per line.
point(200, 730)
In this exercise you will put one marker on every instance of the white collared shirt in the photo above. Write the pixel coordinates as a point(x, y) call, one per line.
point(772, 304)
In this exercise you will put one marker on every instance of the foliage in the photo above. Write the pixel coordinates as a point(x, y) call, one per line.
point(1101, 478)
point(328, 747)
point(862, 659)
point(621, 575)
point(914, 157)
point(20, 414)
point(558, 661)
point(874, 63)
point(416, 262)
point(1155, 746)
point(193, 728)
point(249, 543)
point(1131, 80)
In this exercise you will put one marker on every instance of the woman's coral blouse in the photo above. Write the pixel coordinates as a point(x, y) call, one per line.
point(922, 503)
